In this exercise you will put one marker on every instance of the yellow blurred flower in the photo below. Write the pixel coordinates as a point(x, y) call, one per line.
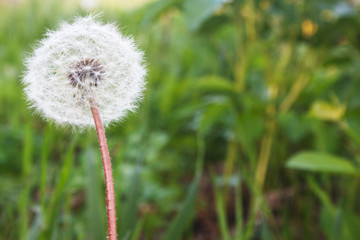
point(327, 111)
point(308, 28)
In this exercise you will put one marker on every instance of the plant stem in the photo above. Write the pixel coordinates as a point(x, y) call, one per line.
point(265, 150)
point(109, 181)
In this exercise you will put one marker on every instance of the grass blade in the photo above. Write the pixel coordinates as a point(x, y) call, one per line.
point(182, 220)
point(57, 196)
point(128, 210)
point(94, 197)
point(26, 170)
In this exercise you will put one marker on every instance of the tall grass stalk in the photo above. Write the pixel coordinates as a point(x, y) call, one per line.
point(26, 170)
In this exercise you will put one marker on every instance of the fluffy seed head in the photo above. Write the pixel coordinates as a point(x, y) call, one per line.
point(83, 70)
point(81, 64)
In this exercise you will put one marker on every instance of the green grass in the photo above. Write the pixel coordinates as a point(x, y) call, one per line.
point(233, 93)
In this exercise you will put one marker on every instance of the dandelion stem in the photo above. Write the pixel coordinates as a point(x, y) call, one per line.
point(109, 181)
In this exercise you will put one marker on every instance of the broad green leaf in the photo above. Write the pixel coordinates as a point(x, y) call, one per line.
point(197, 11)
point(321, 162)
point(156, 9)
point(215, 113)
point(218, 85)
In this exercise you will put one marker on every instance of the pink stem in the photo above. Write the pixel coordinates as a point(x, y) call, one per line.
point(109, 181)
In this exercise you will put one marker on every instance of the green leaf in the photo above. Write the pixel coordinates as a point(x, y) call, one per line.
point(57, 196)
point(129, 208)
point(195, 18)
point(337, 223)
point(157, 9)
point(215, 84)
point(321, 162)
point(94, 196)
point(178, 226)
point(215, 113)
point(221, 214)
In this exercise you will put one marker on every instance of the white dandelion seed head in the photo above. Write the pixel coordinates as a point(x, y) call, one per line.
point(81, 64)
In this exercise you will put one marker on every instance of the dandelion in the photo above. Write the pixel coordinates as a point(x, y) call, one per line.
point(80, 72)
point(81, 64)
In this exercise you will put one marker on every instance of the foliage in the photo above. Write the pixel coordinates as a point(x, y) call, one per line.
point(236, 88)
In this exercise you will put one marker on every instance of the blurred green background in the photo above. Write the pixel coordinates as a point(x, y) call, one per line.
point(249, 128)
